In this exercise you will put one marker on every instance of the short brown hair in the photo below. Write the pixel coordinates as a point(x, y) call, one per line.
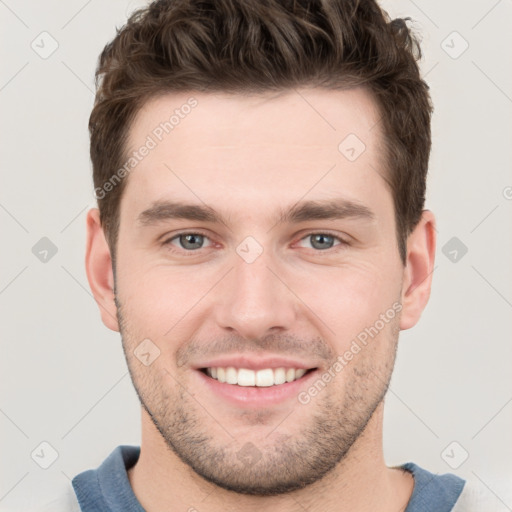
point(253, 46)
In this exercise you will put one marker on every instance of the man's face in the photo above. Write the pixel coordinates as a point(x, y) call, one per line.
point(265, 285)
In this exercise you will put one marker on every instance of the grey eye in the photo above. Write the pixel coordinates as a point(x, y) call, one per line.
point(322, 241)
point(191, 241)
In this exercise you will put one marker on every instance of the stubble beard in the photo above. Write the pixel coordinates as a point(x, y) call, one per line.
point(282, 464)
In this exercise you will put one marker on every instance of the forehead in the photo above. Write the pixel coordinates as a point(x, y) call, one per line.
point(299, 116)
point(255, 149)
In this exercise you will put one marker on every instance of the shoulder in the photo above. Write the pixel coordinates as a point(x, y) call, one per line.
point(88, 487)
point(433, 491)
point(448, 492)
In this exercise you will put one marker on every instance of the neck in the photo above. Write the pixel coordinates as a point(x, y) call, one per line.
point(360, 483)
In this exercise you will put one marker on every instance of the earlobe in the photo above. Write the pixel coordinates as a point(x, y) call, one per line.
point(98, 266)
point(417, 282)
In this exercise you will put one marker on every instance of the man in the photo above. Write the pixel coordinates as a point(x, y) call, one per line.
point(260, 170)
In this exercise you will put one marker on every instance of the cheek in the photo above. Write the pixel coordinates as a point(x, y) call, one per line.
point(349, 298)
point(159, 300)
point(165, 302)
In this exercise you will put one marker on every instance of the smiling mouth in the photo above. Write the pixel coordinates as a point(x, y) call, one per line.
point(255, 378)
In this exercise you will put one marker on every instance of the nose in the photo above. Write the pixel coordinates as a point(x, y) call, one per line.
point(254, 300)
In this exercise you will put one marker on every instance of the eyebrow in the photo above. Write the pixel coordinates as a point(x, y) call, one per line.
point(303, 211)
point(326, 210)
point(167, 210)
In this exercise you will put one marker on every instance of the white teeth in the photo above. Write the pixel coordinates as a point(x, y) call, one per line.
point(221, 374)
point(231, 377)
point(261, 378)
point(246, 377)
point(265, 378)
point(279, 376)
point(299, 373)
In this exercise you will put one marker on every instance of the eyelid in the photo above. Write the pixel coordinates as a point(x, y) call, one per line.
point(328, 233)
point(168, 239)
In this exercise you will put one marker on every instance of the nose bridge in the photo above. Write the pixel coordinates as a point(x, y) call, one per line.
point(254, 300)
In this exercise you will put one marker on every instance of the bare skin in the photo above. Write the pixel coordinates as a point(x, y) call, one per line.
point(304, 297)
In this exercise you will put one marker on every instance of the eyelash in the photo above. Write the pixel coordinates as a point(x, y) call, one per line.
point(167, 243)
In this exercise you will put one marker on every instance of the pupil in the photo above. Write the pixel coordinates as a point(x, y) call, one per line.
point(188, 240)
point(322, 239)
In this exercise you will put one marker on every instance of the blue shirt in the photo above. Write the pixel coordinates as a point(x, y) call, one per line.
point(107, 489)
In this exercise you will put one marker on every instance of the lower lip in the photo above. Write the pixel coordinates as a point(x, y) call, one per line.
point(252, 396)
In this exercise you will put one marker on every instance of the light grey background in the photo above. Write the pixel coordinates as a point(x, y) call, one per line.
point(64, 378)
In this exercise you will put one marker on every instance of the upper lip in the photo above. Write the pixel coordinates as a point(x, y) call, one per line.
point(255, 362)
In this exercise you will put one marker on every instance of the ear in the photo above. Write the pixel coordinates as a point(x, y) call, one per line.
point(98, 265)
point(417, 281)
